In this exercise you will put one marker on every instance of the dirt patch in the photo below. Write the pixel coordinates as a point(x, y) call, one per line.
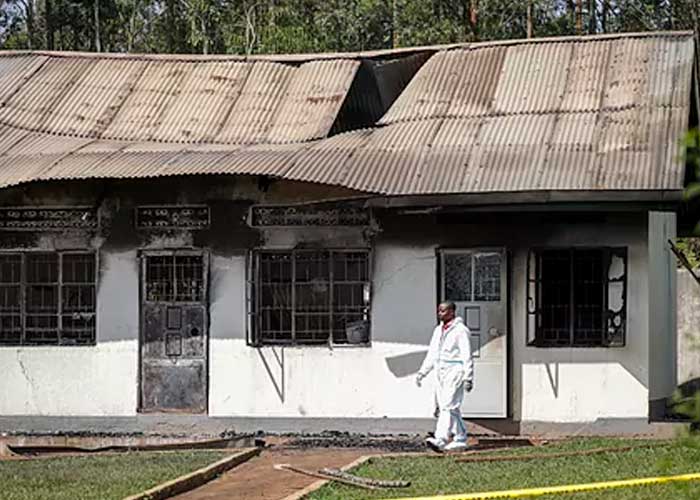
point(257, 479)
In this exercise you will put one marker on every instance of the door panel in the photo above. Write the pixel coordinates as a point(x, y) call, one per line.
point(174, 332)
point(476, 281)
point(179, 387)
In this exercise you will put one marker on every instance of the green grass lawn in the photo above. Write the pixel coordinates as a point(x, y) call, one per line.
point(443, 475)
point(96, 477)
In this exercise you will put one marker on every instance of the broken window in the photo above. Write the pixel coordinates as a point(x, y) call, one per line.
point(310, 296)
point(47, 298)
point(576, 297)
point(471, 276)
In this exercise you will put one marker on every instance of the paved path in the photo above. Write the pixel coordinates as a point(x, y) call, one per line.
point(257, 479)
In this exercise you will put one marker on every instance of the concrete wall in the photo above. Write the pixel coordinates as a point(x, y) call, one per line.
point(550, 385)
point(662, 310)
point(557, 385)
point(688, 328)
point(86, 380)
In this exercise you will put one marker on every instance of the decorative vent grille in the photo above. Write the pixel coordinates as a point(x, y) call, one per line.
point(173, 217)
point(309, 216)
point(40, 218)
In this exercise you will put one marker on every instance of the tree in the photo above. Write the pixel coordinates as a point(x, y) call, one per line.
point(279, 26)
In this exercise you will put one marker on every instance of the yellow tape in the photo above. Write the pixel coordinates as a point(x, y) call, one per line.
point(568, 488)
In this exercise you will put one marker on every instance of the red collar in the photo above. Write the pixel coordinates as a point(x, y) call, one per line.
point(445, 326)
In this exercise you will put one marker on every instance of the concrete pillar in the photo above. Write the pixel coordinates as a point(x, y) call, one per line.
point(662, 312)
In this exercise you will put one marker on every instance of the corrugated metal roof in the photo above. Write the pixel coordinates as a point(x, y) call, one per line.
point(302, 115)
point(14, 71)
point(591, 113)
point(207, 90)
point(173, 100)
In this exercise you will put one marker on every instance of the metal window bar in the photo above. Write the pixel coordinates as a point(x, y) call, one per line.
point(251, 298)
point(43, 295)
point(533, 299)
point(39, 316)
point(571, 297)
point(588, 292)
point(608, 331)
point(294, 298)
point(10, 299)
point(78, 300)
point(553, 326)
point(175, 277)
point(317, 305)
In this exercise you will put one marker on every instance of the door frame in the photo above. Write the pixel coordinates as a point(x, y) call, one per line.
point(142, 254)
point(507, 262)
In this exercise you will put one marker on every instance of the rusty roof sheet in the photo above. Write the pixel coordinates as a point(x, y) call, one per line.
point(173, 100)
point(589, 113)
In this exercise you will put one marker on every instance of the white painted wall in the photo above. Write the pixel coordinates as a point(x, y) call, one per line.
point(313, 382)
point(91, 380)
point(585, 384)
point(72, 381)
point(319, 381)
point(556, 385)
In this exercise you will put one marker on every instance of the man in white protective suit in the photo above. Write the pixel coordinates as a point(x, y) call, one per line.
point(451, 356)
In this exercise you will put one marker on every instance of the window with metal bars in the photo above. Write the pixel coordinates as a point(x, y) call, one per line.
point(577, 297)
point(175, 277)
point(306, 297)
point(47, 298)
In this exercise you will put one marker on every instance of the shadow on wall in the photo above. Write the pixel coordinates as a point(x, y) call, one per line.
point(404, 365)
point(273, 360)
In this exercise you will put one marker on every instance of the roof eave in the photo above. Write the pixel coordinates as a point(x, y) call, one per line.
point(671, 198)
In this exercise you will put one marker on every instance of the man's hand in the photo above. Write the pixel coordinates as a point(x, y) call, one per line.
point(419, 380)
point(468, 386)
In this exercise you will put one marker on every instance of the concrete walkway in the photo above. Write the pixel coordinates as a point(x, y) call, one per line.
point(257, 479)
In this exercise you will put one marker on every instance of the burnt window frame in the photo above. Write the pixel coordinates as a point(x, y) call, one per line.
point(254, 337)
point(533, 307)
point(61, 339)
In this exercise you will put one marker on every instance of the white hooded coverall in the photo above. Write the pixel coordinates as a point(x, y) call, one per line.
point(450, 354)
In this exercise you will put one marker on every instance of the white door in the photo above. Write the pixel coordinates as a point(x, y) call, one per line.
point(475, 280)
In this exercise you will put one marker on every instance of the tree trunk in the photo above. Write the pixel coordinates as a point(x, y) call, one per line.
point(132, 29)
point(30, 23)
point(96, 11)
point(592, 17)
point(170, 23)
point(474, 18)
point(579, 17)
point(205, 41)
point(529, 19)
point(394, 36)
point(49, 25)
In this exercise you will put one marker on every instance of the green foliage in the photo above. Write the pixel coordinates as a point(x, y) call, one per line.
point(691, 149)
point(284, 26)
point(688, 406)
point(690, 247)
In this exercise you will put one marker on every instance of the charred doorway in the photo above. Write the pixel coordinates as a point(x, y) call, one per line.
point(174, 331)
